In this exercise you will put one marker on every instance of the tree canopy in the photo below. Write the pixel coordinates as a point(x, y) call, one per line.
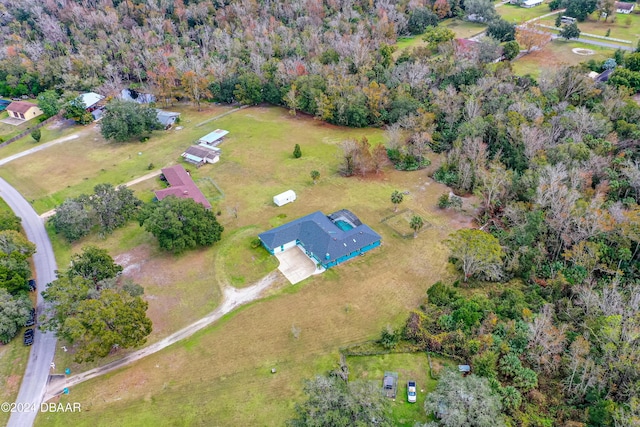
point(96, 317)
point(332, 402)
point(476, 253)
point(94, 264)
point(15, 250)
point(180, 224)
point(125, 121)
point(14, 312)
point(464, 401)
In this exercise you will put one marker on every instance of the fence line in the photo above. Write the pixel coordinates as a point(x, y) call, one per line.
point(28, 131)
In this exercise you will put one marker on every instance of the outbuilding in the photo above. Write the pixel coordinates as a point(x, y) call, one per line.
point(214, 138)
point(284, 198)
point(23, 110)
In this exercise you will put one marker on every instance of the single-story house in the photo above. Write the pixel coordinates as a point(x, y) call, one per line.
point(91, 100)
point(214, 138)
point(167, 118)
point(198, 155)
point(133, 95)
point(327, 239)
point(182, 186)
point(623, 7)
point(531, 3)
point(23, 110)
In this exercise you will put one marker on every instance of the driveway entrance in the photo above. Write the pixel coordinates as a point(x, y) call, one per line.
point(295, 264)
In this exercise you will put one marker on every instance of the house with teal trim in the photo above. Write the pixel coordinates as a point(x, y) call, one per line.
point(328, 240)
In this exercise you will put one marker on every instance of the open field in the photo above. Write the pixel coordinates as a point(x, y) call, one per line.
point(49, 132)
point(222, 373)
point(96, 161)
point(619, 28)
point(556, 54)
point(516, 14)
point(414, 366)
point(462, 29)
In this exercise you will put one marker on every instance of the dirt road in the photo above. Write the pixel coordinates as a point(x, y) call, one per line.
point(231, 299)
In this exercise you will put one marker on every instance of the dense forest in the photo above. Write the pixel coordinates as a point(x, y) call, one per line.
point(554, 163)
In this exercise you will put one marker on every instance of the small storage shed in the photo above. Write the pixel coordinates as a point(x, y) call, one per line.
point(284, 198)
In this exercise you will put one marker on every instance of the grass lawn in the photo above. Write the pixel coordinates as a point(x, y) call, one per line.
point(49, 133)
point(238, 264)
point(96, 161)
point(516, 14)
point(223, 372)
point(13, 362)
point(618, 29)
point(555, 54)
point(462, 29)
point(409, 366)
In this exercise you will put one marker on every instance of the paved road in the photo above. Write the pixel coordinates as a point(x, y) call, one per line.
point(36, 375)
point(232, 299)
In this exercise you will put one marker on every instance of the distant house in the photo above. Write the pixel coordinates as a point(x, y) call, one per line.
point(133, 95)
point(327, 239)
point(604, 76)
point(91, 100)
point(531, 3)
point(23, 110)
point(167, 118)
point(214, 138)
point(198, 155)
point(182, 186)
point(626, 8)
point(390, 384)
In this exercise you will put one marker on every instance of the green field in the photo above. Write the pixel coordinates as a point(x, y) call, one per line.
point(462, 29)
point(516, 14)
point(223, 372)
point(617, 28)
point(97, 161)
point(556, 54)
point(414, 367)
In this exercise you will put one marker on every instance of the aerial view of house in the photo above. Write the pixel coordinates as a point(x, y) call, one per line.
point(320, 213)
point(22, 111)
point(181, 185)
point(328, 239)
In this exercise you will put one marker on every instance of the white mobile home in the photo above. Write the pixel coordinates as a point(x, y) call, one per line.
point(284, 198)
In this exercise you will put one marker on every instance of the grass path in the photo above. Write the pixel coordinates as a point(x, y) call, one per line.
point(45, 145)
point(232, 298)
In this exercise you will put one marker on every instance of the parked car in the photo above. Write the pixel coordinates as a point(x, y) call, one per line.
point(32, 318)
point(32, 285)
point(28, 336)
point(411, 392)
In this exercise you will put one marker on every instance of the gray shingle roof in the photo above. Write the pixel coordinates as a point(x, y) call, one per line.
point(320, 236)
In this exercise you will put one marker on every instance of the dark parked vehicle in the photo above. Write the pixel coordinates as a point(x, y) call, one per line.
point(32, 318)
point(32, 285)
point(28, 336)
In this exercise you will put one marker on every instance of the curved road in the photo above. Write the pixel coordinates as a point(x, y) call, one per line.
point(36, 375)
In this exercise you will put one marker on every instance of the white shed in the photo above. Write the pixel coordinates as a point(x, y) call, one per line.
point(284, 198)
